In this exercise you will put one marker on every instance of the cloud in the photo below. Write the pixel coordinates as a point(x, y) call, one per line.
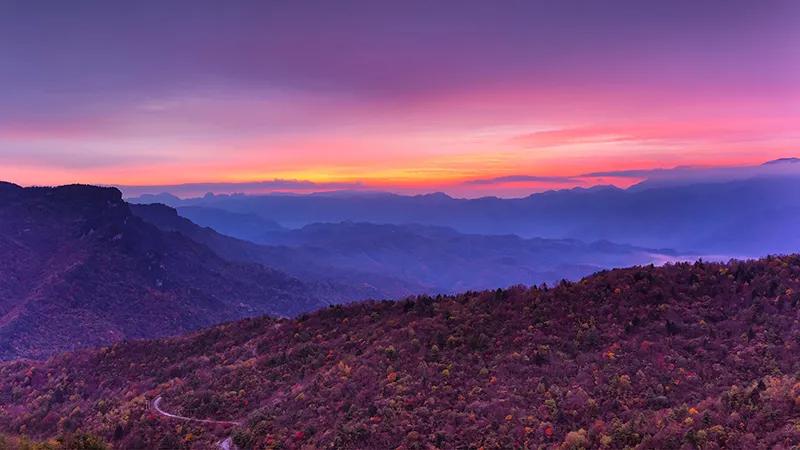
point(646, 173)
point(521, 179)
point(256, 187)
point(782, 166)
point(658, 176)
point(665, 133)
point(575, 135)
point(684, 175)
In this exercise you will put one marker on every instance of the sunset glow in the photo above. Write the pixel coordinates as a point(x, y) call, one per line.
point(408, 99)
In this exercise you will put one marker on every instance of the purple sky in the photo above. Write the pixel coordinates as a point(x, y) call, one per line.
point(399, 95)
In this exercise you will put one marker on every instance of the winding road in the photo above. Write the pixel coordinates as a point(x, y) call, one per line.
point(226, 444)
point(157, 408)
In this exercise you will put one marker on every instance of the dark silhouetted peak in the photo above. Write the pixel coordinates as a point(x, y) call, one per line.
point(82, 193)
point(435, 196)
point(155, 211)
point(88, 194)
point(79, 195)
point(5, 186)
point(601, 188)
point(347, 193)
point(164, 197)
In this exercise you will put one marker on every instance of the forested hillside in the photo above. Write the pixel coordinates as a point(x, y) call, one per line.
point(682, 356)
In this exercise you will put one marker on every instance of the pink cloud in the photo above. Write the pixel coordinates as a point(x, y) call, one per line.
point(670, 132)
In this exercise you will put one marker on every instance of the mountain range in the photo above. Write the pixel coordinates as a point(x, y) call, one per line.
point(752, 214)
point(83, 268)
point(675, 356)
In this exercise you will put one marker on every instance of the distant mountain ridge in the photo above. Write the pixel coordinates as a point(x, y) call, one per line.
point(744, 217)
point(79, 269)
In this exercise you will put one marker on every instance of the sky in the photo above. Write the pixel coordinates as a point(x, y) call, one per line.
point(471, 97)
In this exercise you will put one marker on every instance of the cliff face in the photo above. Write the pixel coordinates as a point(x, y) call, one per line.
point(79, 269)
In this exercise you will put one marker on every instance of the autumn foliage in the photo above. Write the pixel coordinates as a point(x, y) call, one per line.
point(683, 356)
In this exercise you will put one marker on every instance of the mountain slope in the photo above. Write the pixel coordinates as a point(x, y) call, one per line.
point(249, 227)
point(79, 269)
point(682, 356)
point(342, 284)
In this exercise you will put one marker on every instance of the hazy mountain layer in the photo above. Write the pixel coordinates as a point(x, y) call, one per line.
point(343, 284)
point(390, 261)
point(753, 216)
